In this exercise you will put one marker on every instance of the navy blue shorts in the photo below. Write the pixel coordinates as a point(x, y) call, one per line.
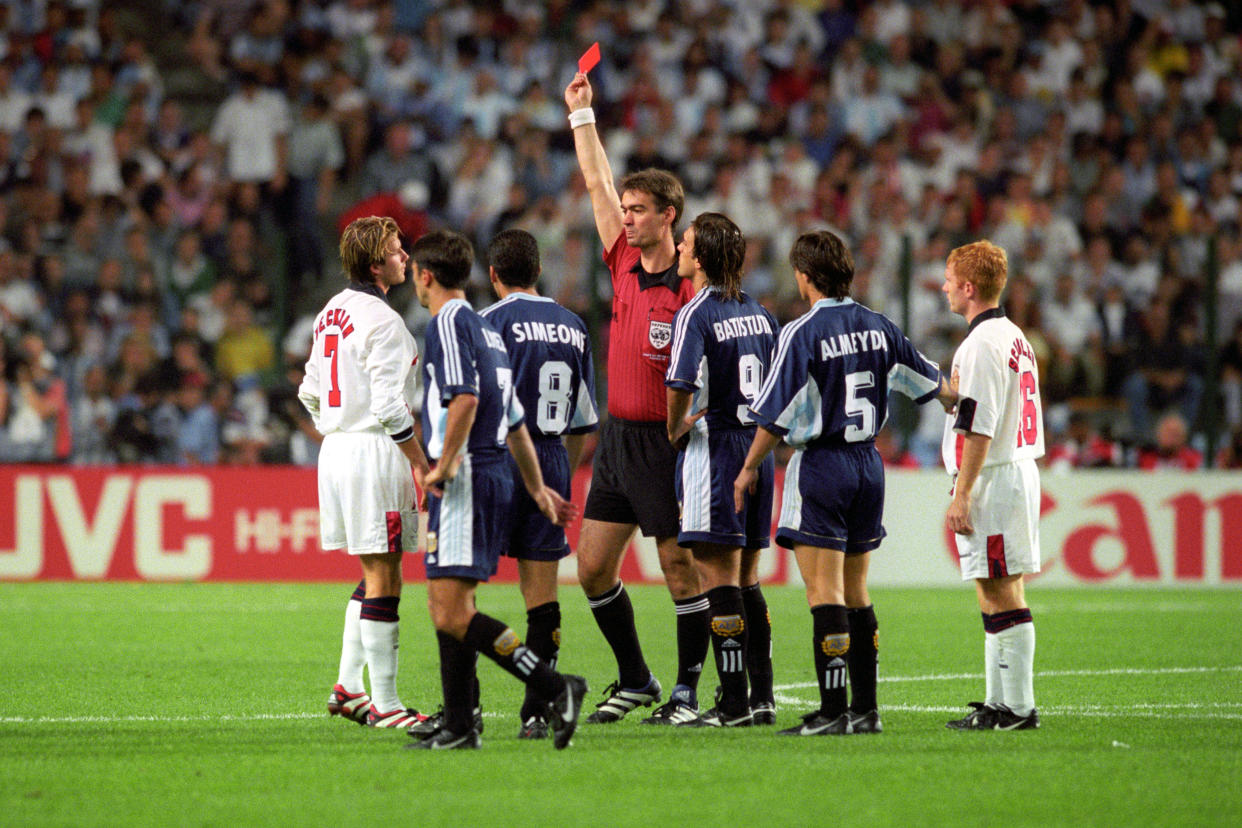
point(834, 499)
point(705, 474)
point(532, 536)
point(468, 528)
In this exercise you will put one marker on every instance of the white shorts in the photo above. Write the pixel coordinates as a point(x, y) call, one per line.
point(366, 495)
point(1005, 515)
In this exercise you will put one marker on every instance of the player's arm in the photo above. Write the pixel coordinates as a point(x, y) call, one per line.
point(596, 171)
point(748, 477)
point(974, 451)
point(458, 421)
point(308, 390)
point(946, 394)
point(554, 507)
point(418, 460)
point(678, 410)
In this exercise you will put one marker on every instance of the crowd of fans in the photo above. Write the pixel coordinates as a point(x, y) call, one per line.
point(169, 201)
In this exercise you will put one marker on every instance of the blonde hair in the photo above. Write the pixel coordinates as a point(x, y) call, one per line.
point(984, 265)
point(365, 243)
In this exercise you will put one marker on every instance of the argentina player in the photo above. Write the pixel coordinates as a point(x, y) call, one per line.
point(470, 416)
point(554, 379)
point(723, 342)
point(827, 396)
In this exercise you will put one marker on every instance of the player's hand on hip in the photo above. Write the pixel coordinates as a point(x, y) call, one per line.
point(578, 94)
point(746, 483)
point(958, 516)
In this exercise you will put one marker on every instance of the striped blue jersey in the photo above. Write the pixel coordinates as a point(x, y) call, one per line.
point(833, 370)
point(465, 355)
point(553, 374)
point(722, 351)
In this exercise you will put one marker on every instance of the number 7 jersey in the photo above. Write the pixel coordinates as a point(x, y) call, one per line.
point(997, 382)
point(360, 375)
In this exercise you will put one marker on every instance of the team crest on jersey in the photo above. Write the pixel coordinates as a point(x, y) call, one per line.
point(659, 334)
point(836, 645)
point(506, 642)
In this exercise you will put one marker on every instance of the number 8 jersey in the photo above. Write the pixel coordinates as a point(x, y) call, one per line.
point(997, 382)
point(553, 374)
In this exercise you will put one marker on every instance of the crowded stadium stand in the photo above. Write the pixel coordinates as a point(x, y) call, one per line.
point(174, 175)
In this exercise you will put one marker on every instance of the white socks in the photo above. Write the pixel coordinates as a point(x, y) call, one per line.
point(1017, 664)
point(995, 693)
point(379, 638)
point(353, 656)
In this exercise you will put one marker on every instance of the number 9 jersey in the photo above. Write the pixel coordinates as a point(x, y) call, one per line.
point(997, 382)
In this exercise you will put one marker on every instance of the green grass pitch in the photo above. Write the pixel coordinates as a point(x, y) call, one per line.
point(195, 704)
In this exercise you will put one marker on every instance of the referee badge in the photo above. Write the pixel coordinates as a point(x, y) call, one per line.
point(659, 334)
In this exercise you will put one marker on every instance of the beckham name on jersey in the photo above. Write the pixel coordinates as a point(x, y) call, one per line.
point(335, 316)
point(852, 343)
point(548, 332)
point(741, 326)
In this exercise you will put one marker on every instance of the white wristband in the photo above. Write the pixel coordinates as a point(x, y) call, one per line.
point(581, 117)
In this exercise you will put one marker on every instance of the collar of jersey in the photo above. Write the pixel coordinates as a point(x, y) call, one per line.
point(990, 313)
point(667, 277)
point(827, 302)
point(363, 287)
point(529, 297)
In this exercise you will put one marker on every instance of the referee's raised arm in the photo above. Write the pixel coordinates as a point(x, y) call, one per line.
point(592, 160)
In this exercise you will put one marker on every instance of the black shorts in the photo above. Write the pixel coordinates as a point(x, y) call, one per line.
point(632, 482)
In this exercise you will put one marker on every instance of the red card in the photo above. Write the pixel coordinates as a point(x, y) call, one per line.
point(589, 58)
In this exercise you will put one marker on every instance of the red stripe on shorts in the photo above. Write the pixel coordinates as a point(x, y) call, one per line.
point(394, 531)
point(996, 557)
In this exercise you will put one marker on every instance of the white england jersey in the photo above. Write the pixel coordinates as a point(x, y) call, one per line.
point(998, 388)
point(361, 372)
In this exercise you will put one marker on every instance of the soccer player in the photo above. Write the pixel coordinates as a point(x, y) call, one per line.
point(632, 485)
point(470, 414)
point(358, 388)
point(827, 396)
point(554, 379)
point(990, 446)
point(722, 348)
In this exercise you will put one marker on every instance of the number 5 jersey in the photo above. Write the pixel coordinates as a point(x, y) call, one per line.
point(833, 370)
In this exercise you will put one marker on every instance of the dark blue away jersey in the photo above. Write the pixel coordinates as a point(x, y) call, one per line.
point(550, 352)
point(833, 370)
point(722, 351)
point(465, 355)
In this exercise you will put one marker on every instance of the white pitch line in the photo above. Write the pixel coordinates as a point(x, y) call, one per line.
point(1113, 671)
point(255, 717)
point(1141, 709)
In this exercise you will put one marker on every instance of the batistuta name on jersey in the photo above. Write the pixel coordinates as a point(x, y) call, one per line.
point(853, 342)
point(548, 332)
point(753, 325)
